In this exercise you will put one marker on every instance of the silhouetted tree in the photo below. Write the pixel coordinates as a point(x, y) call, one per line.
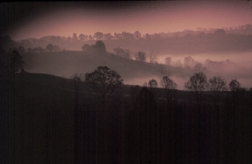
point(56, 48)
point(152, 57)
point(127, 54)
point(152, 83)
point(168, 61)
point(234, 85)
point(107, 36)
point(197, 84)
point(50, 47)
point(198, 66)
point(15, 61)
point(217, 83)
point(104, 82)
point(140, 56)
point(98, 35)
point(118, 36)
point(82, 37)
point(74, 38)
point(100, 47)
point(169, 86)
point(137, 35)
point(127, 36)
point(189, 62)
point(121, 52)
point(10, 63)
point(178, 63)
point(168, 83)
point(237, 93)
point(90, 37)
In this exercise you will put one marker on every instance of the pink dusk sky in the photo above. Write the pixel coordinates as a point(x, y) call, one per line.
point(35, 20)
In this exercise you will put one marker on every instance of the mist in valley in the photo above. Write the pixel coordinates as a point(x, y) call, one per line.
point(66, 64)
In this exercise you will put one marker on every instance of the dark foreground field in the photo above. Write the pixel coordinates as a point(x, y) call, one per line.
point(45, 120)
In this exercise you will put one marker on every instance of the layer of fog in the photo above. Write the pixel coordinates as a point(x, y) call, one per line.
point(66, 64)
point(227, 65)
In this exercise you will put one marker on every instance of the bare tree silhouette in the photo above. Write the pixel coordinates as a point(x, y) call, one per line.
point(141, 56)
point(152, 57)
point(234, 85)
point(121, 52)
point(50, 47)
point(217, 83)
point(197, 84)
point(10, 62)
point(98, 35)
point(169, 86)
point(104, 82)
point(100, 47)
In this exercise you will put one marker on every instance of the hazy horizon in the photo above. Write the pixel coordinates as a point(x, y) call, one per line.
point(36, 19)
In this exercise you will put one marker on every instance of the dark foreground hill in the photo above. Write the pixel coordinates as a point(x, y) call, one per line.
point(42, 121)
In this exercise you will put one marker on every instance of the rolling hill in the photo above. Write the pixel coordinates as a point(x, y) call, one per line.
point(43, 120)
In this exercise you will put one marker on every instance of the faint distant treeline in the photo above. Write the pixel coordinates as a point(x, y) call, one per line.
point(207, 40)
point(48, 48)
